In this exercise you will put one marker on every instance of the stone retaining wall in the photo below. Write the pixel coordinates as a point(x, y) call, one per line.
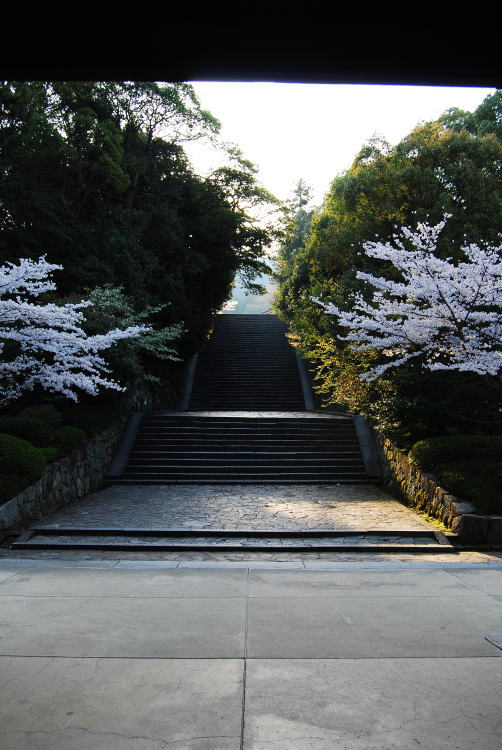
point(421, 491)
point(65, 481)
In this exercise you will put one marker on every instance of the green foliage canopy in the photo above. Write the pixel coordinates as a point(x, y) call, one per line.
point(94, 175)
point(453, 166)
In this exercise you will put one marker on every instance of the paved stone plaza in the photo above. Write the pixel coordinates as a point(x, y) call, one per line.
point(309, 508)
point(245, 507)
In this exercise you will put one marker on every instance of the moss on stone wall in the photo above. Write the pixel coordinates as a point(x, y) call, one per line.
point(64, 482)
point(422, 491)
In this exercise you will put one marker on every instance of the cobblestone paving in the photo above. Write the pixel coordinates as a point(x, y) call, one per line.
point(240, 542)
point(240, 507)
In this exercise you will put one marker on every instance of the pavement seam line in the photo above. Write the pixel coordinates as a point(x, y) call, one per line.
point(11, 575)
point(110, 596)
point(254, 658)
point(465, 583)
point(244, 664)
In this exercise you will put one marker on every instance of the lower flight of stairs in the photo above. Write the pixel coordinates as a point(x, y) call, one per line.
point(244, 450)
point(194, 450)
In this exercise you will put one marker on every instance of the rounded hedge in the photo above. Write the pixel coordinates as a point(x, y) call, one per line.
point(91, 420)
point(427, 454)
point(11, 485)
point(67, 438)
point(19, 457)
point(475, 481)
point(33, 430)
point(51, 453)
point(47, 414)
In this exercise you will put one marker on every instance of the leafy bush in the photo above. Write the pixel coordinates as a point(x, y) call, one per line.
point(20, 465)
point(33, 430)
point(468, 466)
point(11, 485)
point(475, 481)
point(131, 360)
point(47, 414)
point(67, 438)
point(51, 453)
point(19, 455)
point(429, 454)
point(95, 417)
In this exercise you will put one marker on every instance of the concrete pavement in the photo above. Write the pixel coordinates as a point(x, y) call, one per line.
point(144, 655)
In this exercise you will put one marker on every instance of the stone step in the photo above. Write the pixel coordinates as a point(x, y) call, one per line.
point(245, 474)
point(229, 540)
point(253, 406)
point(290, 422)
point(268, 481)
point(229, 429)
point(233, 431)
point(270, 445)
point(251, 455)
point(247, 364)
point(222, 460)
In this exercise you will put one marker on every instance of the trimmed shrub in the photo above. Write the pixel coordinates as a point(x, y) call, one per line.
point(47, 414)
point(467, 466)
point(33, 430)
point(475, 481)
point(90, 419)
point(11, 485)
point(19, 455)
point(67, 438)
point(430, 453)
point(51, 453)
point(20, 465)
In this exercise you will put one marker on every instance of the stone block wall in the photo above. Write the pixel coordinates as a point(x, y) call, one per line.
point(64, 482)
point(421, 491)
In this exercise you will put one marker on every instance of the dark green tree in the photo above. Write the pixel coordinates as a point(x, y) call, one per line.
point(451, 166)
point(94, 175)
point(297, 221)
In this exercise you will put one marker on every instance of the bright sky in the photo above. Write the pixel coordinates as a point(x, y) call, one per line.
point(314, 131)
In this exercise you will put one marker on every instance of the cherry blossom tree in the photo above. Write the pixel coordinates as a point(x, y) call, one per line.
point(447, 314)
point(43, 344)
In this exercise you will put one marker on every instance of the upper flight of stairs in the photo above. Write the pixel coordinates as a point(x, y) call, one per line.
point(248, 364)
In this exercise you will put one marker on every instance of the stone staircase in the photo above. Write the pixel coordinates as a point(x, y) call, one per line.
point(249, 369)
point(191, 449)
point(248, 364)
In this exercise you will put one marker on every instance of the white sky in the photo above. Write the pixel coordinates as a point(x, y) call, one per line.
point(314, 131)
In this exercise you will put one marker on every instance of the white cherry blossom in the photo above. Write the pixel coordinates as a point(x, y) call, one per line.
point(449, 314)
point(45, 344)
